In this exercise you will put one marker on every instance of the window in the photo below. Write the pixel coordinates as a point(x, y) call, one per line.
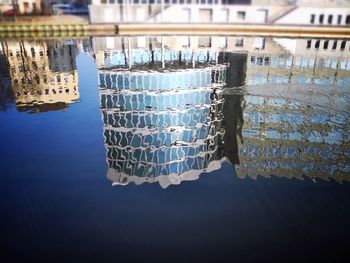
point(325, 44)
point(347, 20)
point(33, 52)
point(37, 79)
point(111, 1)
point(334, 45)
point(239, 42)
point(330, 19)
point(342, 45)
point(241, 15)
point(266, 61)
point(321, 19)
point(317, 44)
point(103, 1)
point(34, 65)
point(312, 19)
point(308, 44)
point(339, 19)
point(223, 42)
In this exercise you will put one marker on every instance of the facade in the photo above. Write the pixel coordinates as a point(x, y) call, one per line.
point(43, 75)
point(305, 12)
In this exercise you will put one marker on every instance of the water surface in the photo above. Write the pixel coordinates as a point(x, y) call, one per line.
point(174, 148)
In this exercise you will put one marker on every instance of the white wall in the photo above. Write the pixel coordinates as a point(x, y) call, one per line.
point(220, 14)
point(179, 13)
point(302, 15)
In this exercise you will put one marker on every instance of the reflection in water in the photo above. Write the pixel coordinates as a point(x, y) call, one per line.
point(161, 125)
point(174, 107)
point(41, 76)
point(172, 111)
point(285, 135)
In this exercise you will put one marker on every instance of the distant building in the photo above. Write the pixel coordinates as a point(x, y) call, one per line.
point(22, 6)
point(305, 12)
point(47, 4)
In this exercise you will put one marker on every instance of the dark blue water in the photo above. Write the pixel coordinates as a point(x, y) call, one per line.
point(58, 206)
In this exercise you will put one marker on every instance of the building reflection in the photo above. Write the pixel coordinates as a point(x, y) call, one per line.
point(42, 75)
point(162, 112)
point(286, 136)
point(174, 108)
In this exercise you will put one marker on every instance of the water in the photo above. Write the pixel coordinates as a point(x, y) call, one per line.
point(135, 149)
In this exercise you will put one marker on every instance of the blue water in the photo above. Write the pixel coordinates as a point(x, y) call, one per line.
point(58, 206)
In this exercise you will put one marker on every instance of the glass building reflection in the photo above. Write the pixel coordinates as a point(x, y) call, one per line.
point(171, 109)
point(162, 113)
point(40, 76)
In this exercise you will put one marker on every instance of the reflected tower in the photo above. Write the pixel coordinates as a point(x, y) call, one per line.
point(162, 112)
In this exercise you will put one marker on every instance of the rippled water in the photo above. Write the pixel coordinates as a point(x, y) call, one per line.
point(146, 112)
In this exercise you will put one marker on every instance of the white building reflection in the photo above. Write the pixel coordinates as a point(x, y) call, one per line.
point(162, 112)
point(43, 75)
